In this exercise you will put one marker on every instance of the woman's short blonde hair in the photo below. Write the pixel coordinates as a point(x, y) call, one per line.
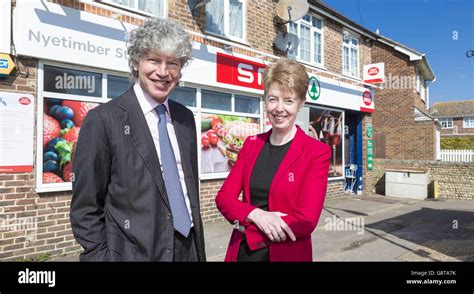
point(289, 74)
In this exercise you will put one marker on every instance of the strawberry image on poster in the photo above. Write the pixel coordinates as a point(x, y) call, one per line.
point(67, 169)
point(71, 135)
point(67, 172)
point(51, 129)
point(62, 121)
point(80, 110)
point(51, 178)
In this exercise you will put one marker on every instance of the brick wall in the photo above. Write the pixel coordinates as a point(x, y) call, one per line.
point(209, 212)
point(455, 180)
point(394, 114)
point(335, 190)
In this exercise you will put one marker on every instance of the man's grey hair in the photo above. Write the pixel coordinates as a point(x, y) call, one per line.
point(159, 35)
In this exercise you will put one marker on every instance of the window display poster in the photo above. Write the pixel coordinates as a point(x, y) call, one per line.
point(62, 120)
point(222, 137)
point(326, 126)
point(16, 132)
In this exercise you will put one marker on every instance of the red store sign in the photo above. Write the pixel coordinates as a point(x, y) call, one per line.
point(239, 72)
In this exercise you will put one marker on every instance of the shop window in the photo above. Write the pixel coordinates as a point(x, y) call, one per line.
point(469, 122)
point(350, 48)
point(222, 137)
point(226, 18)
point(327, 125)
point(216, 100)
point(247, 104)
point(185, 96)
point(310, 31)
point(151, 7)
point(66, 95)
point(71, 81)
point(116, 86)
point(447, 123)
point(225, 122)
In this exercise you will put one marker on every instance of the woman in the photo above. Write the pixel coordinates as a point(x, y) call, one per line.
point(283, 174)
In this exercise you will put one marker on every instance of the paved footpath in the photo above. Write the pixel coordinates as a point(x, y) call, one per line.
point(377, 228)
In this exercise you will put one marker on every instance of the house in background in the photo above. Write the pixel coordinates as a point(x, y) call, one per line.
point(456, 118)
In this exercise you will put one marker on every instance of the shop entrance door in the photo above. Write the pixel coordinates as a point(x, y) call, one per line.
point(353, 160)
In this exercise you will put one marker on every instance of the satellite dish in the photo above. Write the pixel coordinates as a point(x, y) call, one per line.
point(291, 10)
point(287, 42)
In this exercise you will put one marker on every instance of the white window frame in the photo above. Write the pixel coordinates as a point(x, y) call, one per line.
point(468, 122)
point(417, 80)
point(53, 187)
point(422, 89)
point(350, 46)
point(445, 122)
point(313, 30)
point(226, 23)
point(135, 9)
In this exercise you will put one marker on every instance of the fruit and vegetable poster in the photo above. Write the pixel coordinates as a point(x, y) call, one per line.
point(327, 126)
point(16, 132)
point(222, 137)
point(62, 120)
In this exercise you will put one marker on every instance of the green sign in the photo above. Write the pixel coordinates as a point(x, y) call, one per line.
point(314, 89)
point(369, 131)
point(370, 155)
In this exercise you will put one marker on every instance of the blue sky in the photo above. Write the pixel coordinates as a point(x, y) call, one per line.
point(427, 26)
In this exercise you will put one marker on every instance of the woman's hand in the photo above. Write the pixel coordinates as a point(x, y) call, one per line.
point(271, 224)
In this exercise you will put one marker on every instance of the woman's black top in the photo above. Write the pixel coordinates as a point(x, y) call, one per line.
point(261, 179)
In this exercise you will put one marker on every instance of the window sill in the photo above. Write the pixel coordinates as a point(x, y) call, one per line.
point(214, 176)
point(122, 9)
point(228, 39)
point(316, 65)
point(352, 77)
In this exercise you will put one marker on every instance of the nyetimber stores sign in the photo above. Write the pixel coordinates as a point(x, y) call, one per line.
point(68, 43)
point(64, 34)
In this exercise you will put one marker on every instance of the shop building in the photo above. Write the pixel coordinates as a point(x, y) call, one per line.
point(403, 127)
point(405, 135)
point(71, 56)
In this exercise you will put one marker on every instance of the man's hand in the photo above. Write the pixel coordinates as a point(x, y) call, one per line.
point(271, 224)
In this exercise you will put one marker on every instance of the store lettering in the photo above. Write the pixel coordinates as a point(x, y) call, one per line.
point(69, 43)
point(246, 74)
point(237, 71)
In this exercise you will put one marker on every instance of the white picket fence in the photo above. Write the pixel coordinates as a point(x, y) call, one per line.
point(457, 155)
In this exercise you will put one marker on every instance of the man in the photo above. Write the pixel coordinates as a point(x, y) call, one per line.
point(135, 194)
